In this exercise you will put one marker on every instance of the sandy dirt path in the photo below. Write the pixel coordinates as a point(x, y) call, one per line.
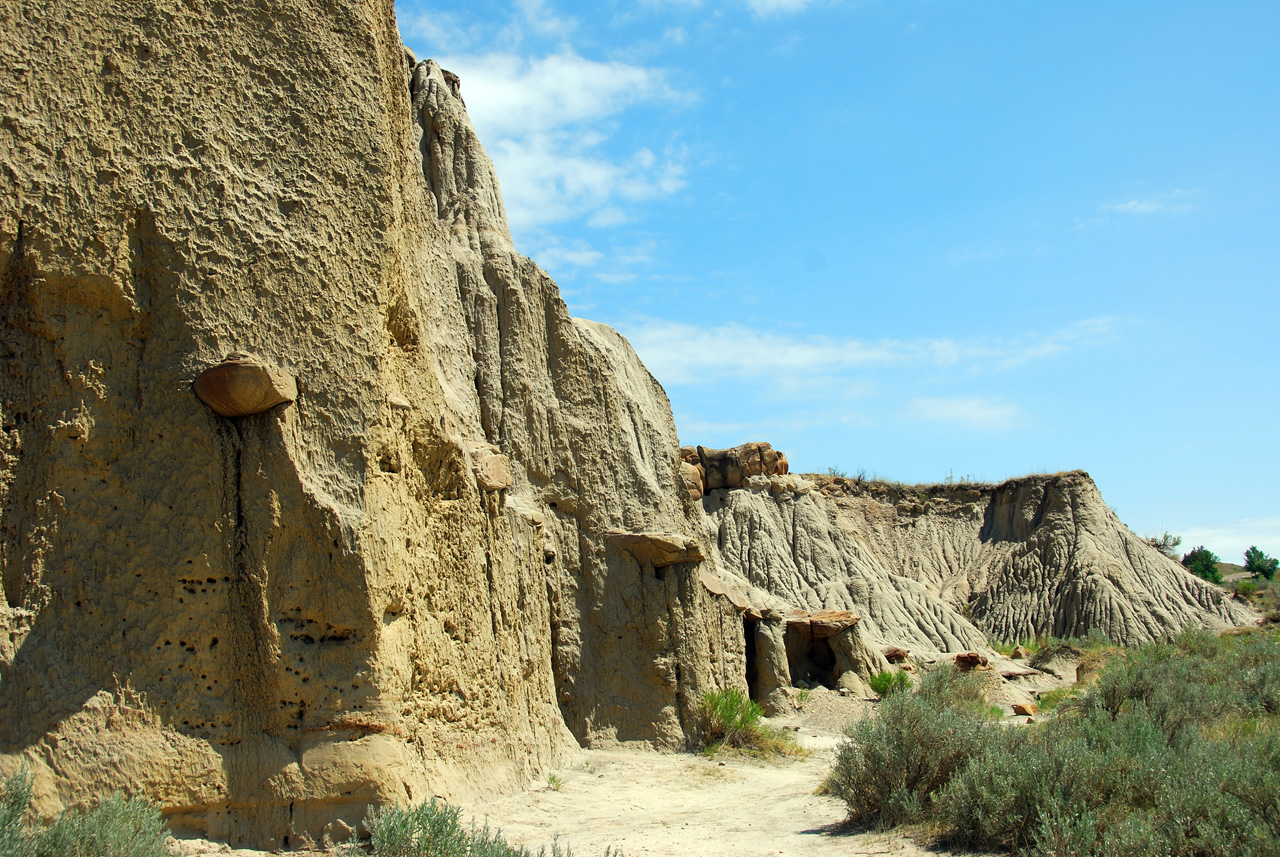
point(681, 805)
point(686, 805)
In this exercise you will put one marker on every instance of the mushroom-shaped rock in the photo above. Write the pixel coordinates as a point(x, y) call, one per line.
point(242, 385)
point(657, 549)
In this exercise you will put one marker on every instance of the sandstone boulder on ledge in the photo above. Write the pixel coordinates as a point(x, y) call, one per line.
point(242, 385)
point(657, 549)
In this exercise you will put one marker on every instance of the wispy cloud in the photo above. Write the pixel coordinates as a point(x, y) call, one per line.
point(973, 412)
point(678, 352)
point(1230, 540)
point(544, 121)
point(773, 8)
point(1174, 202)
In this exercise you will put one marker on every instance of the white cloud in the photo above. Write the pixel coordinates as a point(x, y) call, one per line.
point(770, 8)
point(681, 353)
point(544, 22)
point(576, 254)
point(1175, 202)
point(543, 122)
point(434, 28)
point(608, 216)
point(968, 411)
point(511, 95)
point(1230, 540)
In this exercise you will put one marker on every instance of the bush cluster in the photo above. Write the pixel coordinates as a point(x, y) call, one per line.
point(1203, 563)
point(435, 829)
point(116, 827)
point(1173, 752)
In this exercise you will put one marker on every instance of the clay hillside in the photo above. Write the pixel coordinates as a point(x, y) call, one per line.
point(313, 496)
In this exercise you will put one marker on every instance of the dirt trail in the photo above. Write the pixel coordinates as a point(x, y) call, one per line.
point(645, 803)
point(686, 805)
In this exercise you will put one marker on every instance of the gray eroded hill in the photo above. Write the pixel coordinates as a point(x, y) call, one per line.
point(936, 568)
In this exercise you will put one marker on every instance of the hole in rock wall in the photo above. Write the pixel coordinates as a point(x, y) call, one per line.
point(753, 678)
point(811, 659)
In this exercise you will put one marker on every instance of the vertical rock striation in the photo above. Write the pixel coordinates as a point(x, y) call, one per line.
point(398, 585)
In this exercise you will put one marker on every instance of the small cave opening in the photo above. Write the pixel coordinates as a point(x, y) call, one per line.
point(753, 677)
point(810, 658)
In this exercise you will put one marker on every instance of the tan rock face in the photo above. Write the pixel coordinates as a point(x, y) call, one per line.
point(1036, 556)
point(242, 385)
point(336, 603)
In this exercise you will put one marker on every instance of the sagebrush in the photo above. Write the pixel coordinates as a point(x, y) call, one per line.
point(435, 829)
point(114, 827)
point(1174, 751)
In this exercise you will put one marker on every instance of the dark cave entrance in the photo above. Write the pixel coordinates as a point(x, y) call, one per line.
point(753, 679)
point(809, 657)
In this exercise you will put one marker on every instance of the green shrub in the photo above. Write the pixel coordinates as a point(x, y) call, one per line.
point(886, 682)
point(435, 830)
point(1174, 751)
point(1203, 562)
point(1167, 544)
point(15, 796)
point(891, 766)
point(115, 827)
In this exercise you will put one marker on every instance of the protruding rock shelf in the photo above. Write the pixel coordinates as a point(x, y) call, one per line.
point(242, 385)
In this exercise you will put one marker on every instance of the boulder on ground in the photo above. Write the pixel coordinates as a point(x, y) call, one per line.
point(967, 661)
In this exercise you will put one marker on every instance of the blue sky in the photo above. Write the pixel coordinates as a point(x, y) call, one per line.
point(918, 238)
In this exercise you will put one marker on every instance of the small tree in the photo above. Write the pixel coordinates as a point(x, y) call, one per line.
point(1259, 564)
point(1167, 544)
point(1203, 562)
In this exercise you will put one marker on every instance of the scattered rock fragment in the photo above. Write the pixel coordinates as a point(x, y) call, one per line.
point(967, 661)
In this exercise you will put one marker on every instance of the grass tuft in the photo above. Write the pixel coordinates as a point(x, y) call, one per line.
point(886, 682)
point(733, 720)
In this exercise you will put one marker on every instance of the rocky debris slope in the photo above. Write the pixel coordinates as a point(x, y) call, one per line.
point(934, 569)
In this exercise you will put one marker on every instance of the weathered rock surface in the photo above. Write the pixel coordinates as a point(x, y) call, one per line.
point(1042, 555)
point(469, 542)
point(402, 584)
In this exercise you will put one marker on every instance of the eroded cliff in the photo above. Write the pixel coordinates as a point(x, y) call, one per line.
point(398, 584)
point(449, 535)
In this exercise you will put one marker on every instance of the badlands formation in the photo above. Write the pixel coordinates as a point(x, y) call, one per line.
point(313, 496)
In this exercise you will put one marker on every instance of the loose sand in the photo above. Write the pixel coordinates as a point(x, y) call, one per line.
point(680, 804)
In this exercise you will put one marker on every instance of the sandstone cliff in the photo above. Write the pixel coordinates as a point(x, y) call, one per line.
point(938, 568)
point(398, 582)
